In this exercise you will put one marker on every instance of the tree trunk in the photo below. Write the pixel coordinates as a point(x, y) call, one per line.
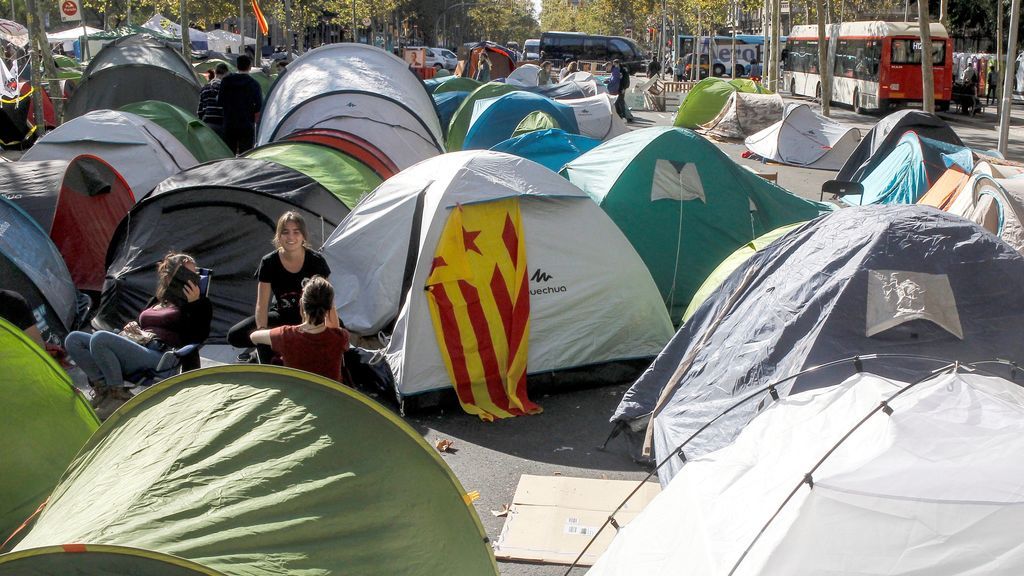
point(824, 66)
point(39, 56)
point(186, 38)
point(288, 28)
point(927, 77)
point(776, 16)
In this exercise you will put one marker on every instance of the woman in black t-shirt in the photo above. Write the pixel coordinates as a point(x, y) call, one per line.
point(280, 275)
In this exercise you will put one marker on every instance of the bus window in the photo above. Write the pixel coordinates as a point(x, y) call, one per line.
point(597, 49)
point(908, 51)
point(569, 46)
point(620, 49)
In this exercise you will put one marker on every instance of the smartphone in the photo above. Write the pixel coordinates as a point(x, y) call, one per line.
point(205, 276)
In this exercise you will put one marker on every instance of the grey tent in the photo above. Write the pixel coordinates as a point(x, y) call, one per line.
point(133, 69)
point(874, 279)
point(805, 138)
point(886, 135)
point(34, 187)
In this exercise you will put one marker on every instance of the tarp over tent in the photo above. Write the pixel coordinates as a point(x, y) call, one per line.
point(221, 213)
point(199, 138)
point(32, 266)
point(832, 289)
point(165, 25)
point(805, 138)
point(682, 203)
point(550, 148)
point(887, 133)
point(46, 422)
point(496, 119)
point(359, 89)
point(905, 171)
point(707, 98)
point(928, 486)
point(133, 69)
point(140, 150)
point(745, 114)
point(346, 177)
point(255, 470)
point(591, 300)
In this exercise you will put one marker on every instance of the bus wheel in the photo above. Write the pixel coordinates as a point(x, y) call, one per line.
point(856, 102)
point(942, 105)
point(719, 70)
point(883, 105)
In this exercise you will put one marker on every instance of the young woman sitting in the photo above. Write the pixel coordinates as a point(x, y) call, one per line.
point(177, 316)
point(318, 344)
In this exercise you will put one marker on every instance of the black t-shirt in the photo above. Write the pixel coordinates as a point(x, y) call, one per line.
point(16, 310)
point(286, 286)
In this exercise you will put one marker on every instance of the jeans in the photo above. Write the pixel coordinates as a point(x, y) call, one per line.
point(106, 357)
point(238, 335)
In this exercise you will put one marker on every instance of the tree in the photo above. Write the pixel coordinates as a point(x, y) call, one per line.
point(824, 70)
point(927, 81)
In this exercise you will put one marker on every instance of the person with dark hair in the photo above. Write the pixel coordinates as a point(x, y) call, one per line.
point(15, 309)
point(991, 82)
point(210, 111)
point(280, 275)
point(544, 76)
point(176, 316)
point(318, 344)
point(240, 98)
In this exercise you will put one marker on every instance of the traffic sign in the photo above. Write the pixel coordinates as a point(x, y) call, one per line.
point(70, 10)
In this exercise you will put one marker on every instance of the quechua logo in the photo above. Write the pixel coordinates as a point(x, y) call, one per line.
point(542, 276)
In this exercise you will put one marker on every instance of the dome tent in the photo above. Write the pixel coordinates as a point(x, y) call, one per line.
point(199, 138)
point(221, 213)
point(351, 145)
point(903, 173)
point(346, 177)
point(596, 116)
point(133, 69)
point(805, 138)
point(832, 289)
point(496, 119)
point(707, 99)
point(358, 89)
point(463, 117)
point(682, 203)
point(552, 149)
point(591, 300)
point(255, 470)
point(886, 134)
point(927, 485)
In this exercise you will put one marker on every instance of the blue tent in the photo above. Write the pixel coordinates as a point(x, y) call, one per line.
point(552, 148)
point(496, 119)
point(32, 266)
point(447, 103)
point(875, 279)
point(907, 171)
point(563, 91)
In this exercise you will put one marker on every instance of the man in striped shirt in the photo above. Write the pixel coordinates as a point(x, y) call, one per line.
point(210, 110)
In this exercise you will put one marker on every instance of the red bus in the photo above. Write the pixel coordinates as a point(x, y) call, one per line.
point(875, 65)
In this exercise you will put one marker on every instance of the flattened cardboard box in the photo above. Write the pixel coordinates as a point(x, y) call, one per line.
point(553, 517)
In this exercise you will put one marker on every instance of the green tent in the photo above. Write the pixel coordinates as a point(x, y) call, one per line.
point(346, 177)
point(457, 84)
point(682, 203)
point(130, 29)
point(731, 263)
point(464, 115)
point(537, 120)
point(199, 138)
point(62, 61)
point(46, 421)
point(707, 98)
point(255, 470)
point(206, 65)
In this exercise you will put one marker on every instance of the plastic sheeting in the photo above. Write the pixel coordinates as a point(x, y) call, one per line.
point(803, 301)
point(592, 300)
point(552, 149)
point(805, 138)
point(931, 488)
point(745, 114)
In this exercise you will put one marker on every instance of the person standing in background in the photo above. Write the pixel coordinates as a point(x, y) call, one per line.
point(240, 98)
point(210, 111)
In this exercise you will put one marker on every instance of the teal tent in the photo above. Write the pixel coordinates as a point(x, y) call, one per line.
point(199, 138)
point(550, 148)
point(255, 470)
point(682, 203)
point(496, 119)
point(46, 421)
point(463, 116)
point(905, 172)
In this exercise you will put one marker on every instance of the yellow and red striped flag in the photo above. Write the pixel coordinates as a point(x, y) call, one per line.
point(479, 296)
point(261, 20)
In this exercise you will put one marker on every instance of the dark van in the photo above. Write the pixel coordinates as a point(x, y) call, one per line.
point(560, 47)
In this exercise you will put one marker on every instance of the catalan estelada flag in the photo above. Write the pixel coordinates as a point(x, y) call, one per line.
point(261, 20)
point(479, 296)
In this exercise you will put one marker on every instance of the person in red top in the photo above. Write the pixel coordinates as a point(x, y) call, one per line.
point(318, 344)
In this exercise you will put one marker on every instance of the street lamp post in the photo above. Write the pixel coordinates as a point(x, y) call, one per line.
point(1008, 78)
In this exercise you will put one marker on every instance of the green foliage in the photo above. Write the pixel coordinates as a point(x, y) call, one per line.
point(502, 21)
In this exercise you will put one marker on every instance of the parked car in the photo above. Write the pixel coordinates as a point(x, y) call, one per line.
point(450, 59)
point(531, 49)
point(439, 58)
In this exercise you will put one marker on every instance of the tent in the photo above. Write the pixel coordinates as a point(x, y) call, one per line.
point(227, 42)
point(18, 121)
point(223, 214)
point(345, 176)
point(199, 138)
point(708, 97)
point(140, 150)
point(525, 75)
point(463, 116)
point(503, 62)
point(745, 114)
point(928, 486)
point(452, 84)
point(805, 138)
point(567, 90)
point(67, 38)
point(496, 119)
point(351, 145)
point(538, 120)
point(162, 24)
point(32, 266)
point(359, 89)
point(596, 116)
point(46, 422)
point(132, 69)
point(905, 172)
point(988, 196)
point(205, 66)
point(447, 103)
point(591, 300)
point(886, 135)
point(78, 203)
point(255, 470)
point(550, 148)
point(875, 279)
point(682, 203)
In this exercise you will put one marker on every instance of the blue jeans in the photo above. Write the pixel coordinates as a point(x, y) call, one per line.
point(106, 357)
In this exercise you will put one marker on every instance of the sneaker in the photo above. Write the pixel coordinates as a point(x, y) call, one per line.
point(245, 357)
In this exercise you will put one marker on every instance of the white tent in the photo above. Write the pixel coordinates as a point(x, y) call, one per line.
point(361, 90)
point(525, 75)
point(805, 138)
point(161, 23)
point(745, 114)
point(140, 150)
point(591, 298)
point(226, 42)
point(932, 488)
point(586, 78)
point(596, 116)
point(67, 37)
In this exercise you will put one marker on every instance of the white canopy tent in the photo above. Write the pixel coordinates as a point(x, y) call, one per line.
point(805, 138)
point(592, 300)
point(932, 488)
point(161, 23)
point(68, 37)
point(226, 42)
